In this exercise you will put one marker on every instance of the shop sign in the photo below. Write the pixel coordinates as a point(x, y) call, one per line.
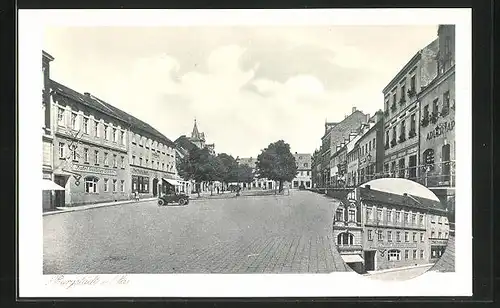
point(440, 129)
point(94, 169)
point(397, 245)
point(139, 171)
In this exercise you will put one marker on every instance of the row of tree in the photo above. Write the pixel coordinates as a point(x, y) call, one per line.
point(275, 162)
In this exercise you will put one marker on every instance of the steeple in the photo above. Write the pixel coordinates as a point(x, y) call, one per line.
point(195, 135)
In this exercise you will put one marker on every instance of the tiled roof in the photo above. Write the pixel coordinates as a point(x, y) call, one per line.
point(184, 143)
point(102, 106)
point(390, 198)
point(447, 261)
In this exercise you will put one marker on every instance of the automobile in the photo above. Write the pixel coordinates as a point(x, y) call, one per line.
point(302, 187)
point(180, 198)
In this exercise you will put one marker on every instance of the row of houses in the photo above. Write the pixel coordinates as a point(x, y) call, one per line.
point(94, 152)
point(413, 136)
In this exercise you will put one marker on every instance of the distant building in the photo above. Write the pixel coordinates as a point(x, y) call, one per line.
point(258, 183)
point(304, 168)
point(376, 230)
point(198, 139)
point(371, 149)
point(336, 134)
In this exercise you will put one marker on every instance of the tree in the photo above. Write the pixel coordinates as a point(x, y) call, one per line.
point(229, 168)
point(245, 174)
point(277, 163)
point(197, 166)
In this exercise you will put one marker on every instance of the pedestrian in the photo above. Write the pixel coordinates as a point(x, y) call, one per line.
point(136, 194)
point(218, 190)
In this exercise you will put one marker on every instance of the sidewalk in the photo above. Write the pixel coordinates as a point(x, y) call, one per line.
point(399, 269)
point(60, 210)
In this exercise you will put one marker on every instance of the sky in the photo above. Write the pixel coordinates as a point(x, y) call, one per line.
point(247, 86)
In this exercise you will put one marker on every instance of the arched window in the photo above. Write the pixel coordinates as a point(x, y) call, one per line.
point(394, 255)
point(91, 184)
point(345, 239)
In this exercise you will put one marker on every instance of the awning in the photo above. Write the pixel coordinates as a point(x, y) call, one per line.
point(172, 182)
point(352, 258)
point(49, 185)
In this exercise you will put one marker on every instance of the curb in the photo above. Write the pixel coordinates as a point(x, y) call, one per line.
point(398, 269)
point(91, 207)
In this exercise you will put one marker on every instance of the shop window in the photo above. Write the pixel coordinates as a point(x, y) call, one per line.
point(394, 255)
point(428, 156)
point(91, 184)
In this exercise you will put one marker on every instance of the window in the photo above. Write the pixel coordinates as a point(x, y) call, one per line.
point(370, 145)
point(122, 186)
point(140, 161)
point(387, 138)
point(133, 159)
point(114, 185)
point(96, 157)
point(74, 153)
point(394, 133)
point(345, 239)
point(412, 84)
point(162, 166)
point(115, 161)
point(86, 154)
point(61, 150)
point(407, 254)
point(60, 116)
point(435, 105)
point(373, 143)
point(394, 99)
point(305, 165)
point(352, 215)
point(379, 214)
point(91, 184)
point(147, 162)
point(421, 253)
point(389, 236)
point(398, 216)
point(414, 219)
point(380, 235)
point(339, 214)
point(407, 237)
point(433, 234)
point(398, 236)
point(403, 94)
point(429, 159)
point(439, 234)
point(96, 129)
point(115, 135)
point(394, 255)
point(413, 124)
point(388, 215)
point(414, 236)
point(86, 125)
point(426, 111)
point(421, 236)
point(402, 168)
point(106, 135)
point(446, 103)
point(106, 185)
point(406, 217)
point(122, 162)
point(446, 235)
point(402, 135)
point(414, 254)
point(422, 219)
point(105, 159)
point(370, 235)
point(74, 117)
point(122, 137)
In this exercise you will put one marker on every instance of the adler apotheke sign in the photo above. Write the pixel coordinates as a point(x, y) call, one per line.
point(94, 169)
point(441, 129)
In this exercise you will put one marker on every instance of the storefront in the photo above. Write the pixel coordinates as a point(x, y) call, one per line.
point(151, 183)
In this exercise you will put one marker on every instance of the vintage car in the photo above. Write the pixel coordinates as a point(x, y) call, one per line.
point(182, 199)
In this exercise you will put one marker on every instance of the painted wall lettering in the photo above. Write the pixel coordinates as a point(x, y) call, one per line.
point(441, 129)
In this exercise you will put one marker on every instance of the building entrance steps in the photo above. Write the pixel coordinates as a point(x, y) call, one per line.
point(60, 210)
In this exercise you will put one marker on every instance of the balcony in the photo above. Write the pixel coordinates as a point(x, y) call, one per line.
point(402, 101)
point(425, 121)
point(412, 133)
point(411, 92)
point(393, 143)
point(402, 138)
point(434, 117)
point(393, 107)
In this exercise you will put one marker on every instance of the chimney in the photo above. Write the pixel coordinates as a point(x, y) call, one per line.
point(367, 118)
point(367, 186)
point(87, 94)
point(405, 194)
point(353, 109)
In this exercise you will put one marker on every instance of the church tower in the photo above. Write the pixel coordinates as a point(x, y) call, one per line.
point(196, 137)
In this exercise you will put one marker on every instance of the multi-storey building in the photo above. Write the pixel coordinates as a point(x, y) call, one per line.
point(382, 230)
point(304, 165)
point(316, 169)
point(371, 149)
point(401, 111)
point(336, 134)
point(98, 154)
point(352, 163)
point(258, 182)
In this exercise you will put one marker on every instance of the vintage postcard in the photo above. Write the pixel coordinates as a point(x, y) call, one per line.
point(244, 153)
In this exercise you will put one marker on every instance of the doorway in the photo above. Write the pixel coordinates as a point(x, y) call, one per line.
point(369, 260)
point(60, 195)
point(155, 187)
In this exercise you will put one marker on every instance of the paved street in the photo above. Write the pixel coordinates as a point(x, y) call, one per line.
point(259, 234)
point(400, 275)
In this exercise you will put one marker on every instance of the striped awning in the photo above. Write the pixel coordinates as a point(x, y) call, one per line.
point(49, 185)
point(352, 258)
point(172, 182)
